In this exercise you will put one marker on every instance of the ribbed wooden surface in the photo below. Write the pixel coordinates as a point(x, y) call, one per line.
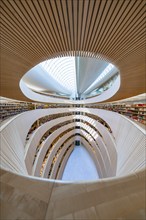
point(34, 30)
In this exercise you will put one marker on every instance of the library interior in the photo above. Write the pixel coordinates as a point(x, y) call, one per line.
point(73, 110)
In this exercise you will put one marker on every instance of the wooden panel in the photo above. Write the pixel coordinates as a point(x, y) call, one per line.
point(33, 31)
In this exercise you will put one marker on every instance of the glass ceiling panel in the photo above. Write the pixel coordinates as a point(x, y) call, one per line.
point(63, 71)
point(104, 73)
point(74, 77)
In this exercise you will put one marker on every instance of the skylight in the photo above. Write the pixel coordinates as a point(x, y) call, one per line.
point(63, 71)
point(101, 76)
point(75, 78)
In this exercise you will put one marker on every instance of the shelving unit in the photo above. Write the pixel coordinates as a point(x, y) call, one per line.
point(9, 108)
point(52, 105)
point(136, 111)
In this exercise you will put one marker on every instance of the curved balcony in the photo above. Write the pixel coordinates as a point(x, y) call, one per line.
point(53, 199)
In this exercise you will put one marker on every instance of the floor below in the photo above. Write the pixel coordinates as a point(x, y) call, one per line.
point(80, 166)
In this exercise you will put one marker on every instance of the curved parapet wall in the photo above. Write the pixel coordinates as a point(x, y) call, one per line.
point(101, 142)
point(44, 98)
point(130, 141)
point(124, 143)
point(63, 163)
point(51, 199)
point(45, 199)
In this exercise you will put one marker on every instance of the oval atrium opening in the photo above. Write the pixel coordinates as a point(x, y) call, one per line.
point(72, 78)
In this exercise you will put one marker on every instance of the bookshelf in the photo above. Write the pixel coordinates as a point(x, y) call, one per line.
point(9, 109)
point(137, 111)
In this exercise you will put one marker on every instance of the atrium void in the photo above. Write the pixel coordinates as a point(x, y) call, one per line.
point(72, 77)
